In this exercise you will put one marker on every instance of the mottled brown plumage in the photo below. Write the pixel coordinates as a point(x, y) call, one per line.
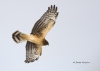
point(36, 39)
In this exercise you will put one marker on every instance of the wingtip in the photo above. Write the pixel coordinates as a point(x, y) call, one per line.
point(26, 61)
point(51, 6)
point(57, 14)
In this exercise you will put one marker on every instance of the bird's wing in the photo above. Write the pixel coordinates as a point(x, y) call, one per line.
point(46, 22)
point(41, 28)
point(33, 52)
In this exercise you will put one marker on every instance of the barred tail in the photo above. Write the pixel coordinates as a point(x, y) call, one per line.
point(16, 37)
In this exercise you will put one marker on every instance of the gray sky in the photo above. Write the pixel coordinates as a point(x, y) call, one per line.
point(75, 36)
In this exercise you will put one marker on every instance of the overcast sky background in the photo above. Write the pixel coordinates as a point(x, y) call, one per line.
point(75, 36)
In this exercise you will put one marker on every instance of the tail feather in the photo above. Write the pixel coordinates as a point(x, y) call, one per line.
point(16, 37)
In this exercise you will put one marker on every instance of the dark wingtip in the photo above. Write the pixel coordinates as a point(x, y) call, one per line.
point(54, 7)
point(28, 61)
point(48, 8)
point(57, 14)
point(51, 6)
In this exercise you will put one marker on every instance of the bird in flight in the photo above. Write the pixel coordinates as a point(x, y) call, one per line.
point(36, 39)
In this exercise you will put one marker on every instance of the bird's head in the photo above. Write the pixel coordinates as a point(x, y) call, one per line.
point(45, 42)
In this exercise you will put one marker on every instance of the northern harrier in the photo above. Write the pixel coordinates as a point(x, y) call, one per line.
point(36, 39)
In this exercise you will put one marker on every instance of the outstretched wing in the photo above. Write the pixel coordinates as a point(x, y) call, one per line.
point(46, 22)
point(33, 52)
point(41, 28)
